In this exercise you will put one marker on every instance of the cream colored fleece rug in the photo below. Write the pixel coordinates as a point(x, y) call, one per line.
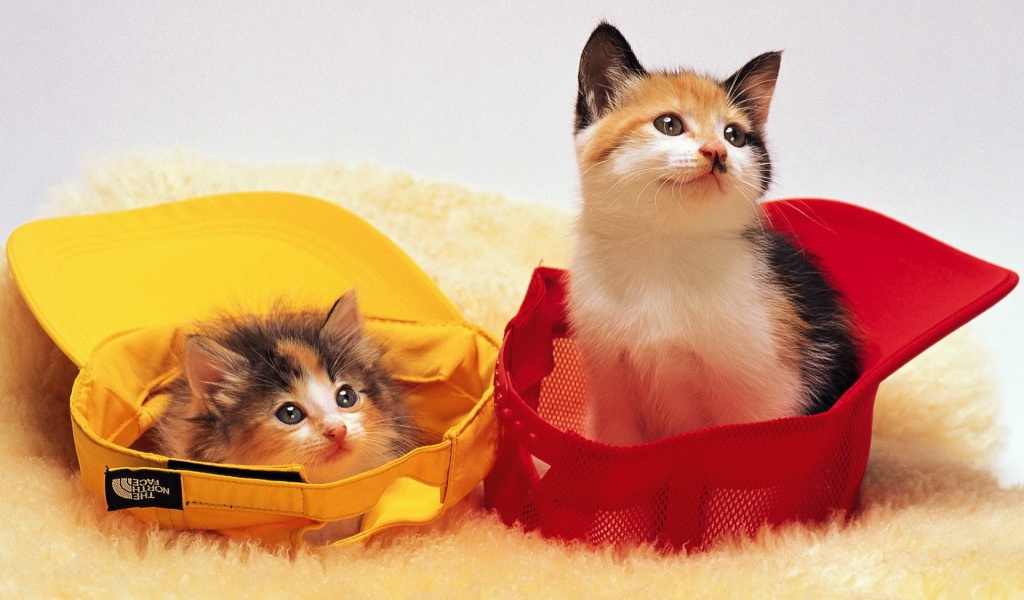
point(934, 523)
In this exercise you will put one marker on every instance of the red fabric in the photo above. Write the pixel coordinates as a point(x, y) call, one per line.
point(906, 291)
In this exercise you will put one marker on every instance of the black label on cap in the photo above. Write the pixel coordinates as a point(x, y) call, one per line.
point(142, 488)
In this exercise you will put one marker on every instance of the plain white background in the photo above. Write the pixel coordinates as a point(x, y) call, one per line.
point(911, 108)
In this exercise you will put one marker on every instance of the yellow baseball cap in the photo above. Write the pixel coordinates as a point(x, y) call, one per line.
point(87, 277)
point(114, 291)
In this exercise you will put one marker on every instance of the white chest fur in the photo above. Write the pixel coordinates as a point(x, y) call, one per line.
point(677, 334)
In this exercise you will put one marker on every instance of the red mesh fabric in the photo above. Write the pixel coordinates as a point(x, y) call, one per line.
point(906, 291)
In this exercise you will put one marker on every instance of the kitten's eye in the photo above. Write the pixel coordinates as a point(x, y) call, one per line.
point(735, 136)
point(669, 124)
point(289, 414)
point(347, 397)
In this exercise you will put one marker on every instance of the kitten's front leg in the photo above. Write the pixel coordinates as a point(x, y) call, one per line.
point(613, 412)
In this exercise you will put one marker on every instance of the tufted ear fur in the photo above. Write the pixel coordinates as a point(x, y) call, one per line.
point(751, 87)
point(606, 65)
point(207, 365)
point(344, 319)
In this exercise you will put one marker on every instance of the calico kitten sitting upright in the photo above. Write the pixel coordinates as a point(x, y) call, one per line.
point(304, 388)
point(689, 311)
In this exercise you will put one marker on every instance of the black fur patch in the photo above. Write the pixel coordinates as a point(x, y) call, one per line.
point(764, 161)
point(822, 309)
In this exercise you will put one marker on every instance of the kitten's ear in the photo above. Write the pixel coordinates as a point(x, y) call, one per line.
point(751, 87)
point(344, 317)
point(607, 64)
point(207, 365)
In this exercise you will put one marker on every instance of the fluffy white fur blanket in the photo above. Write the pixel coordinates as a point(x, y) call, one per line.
point(935, 522)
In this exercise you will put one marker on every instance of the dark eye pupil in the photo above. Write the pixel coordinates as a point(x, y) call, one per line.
point(347, 397)
point(735, 136)
point(669, 124)
point(289, 414)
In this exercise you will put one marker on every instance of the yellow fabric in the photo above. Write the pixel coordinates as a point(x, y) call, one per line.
point(237, 246)
point(89, 277)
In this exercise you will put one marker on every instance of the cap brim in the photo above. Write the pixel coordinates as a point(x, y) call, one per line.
point(88, 277)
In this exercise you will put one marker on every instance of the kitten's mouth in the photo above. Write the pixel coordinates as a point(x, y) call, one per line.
point(336, 451)
point(704, 179)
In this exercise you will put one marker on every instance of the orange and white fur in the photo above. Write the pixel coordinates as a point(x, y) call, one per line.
point(688, 311)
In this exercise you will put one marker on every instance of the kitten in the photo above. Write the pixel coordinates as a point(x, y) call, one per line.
point(289, 388)
point(688, 310)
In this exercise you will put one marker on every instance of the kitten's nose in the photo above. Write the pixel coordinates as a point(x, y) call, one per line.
point(714, 151)
point(336, 433)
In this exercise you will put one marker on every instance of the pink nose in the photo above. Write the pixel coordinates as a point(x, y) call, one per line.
point(336, 433)
point(714, 151)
